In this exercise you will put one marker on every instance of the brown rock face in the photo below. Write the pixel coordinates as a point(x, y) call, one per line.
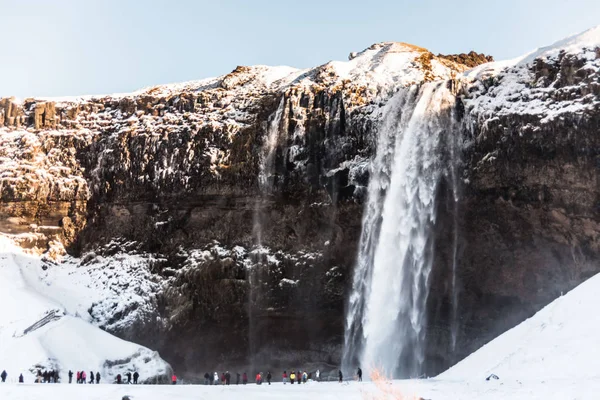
point(44, 115)
point(471, 59)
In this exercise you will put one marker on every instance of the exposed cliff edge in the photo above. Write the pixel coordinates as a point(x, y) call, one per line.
point(172, 174)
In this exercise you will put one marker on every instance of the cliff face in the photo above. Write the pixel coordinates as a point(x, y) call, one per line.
point(242, 195)
point(530, 226)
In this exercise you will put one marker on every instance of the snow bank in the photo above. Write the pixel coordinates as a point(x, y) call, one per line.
point(559, 342)
point(43, 326)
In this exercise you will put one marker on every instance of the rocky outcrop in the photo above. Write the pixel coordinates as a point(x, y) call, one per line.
point(244, 194)
point(470, 59)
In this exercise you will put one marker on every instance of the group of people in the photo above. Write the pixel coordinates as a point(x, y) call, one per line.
point(209, 379)
point(300, 377)
point(224, 378)
point(45, 377)
point(81, 377)
point(128, 375)
point(293, 377)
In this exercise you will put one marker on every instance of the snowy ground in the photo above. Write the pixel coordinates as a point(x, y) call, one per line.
point(45, 326)
point(426, 389)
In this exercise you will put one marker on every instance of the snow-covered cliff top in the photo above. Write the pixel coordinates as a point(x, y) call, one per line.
point(548, 82)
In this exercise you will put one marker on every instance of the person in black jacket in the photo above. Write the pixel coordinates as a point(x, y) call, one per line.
point(70, 376)
point(269, 377)
point(97, 378)
point(359, 373)
point(3, 376)
point(128, 375)
point(135, 377)
point(341, 376)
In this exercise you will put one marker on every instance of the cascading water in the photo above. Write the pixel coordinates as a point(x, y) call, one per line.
point(267, 166)
point(265, 185)
point(385, 324)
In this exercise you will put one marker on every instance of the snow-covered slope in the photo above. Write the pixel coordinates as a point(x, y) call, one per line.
point(45, 325)
point(550, 81)
point(559, 342)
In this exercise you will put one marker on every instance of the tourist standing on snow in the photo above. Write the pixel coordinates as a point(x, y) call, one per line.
point(341, 376)
point(359, 373)
point(21, 378)
point(97, 378)
point(128, 375)
point(318, 375)
point(304, 377)
point(292, 377)
point(174, 379)
point(227, 378)
point(83, 377)
point(135, 377)
point(70, 376)
point(245, 378)
point(269, 377)
point(222, 378)
point(216, 378)
point(118, 379)
point(3, 376)
point(92, 376)
point(237, 378)
point(284, 377)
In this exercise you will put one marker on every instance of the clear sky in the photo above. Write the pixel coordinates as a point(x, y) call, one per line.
point(75, 47)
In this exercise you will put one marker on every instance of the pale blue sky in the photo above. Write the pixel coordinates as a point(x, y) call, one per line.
point(74, 47)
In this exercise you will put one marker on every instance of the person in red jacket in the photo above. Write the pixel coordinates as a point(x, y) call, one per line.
point(174, 379)
point(258, 379)
point(245, 378)
point(284, 377)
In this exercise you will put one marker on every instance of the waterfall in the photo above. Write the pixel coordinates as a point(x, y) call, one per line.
point(266, 168)
point(266, 171)
point(386, 316)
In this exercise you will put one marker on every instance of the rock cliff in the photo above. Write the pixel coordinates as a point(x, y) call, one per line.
point(242, 197)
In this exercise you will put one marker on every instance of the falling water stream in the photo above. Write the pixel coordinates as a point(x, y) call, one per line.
point(386, 317)
point(265, 184)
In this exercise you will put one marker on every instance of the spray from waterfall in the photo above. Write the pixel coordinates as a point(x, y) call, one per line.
point(386, 318)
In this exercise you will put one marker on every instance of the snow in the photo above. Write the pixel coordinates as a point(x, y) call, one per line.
point(68, 341)
point(589, 39)
point(559, 342)
point(517, 92)
point(432, 389)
